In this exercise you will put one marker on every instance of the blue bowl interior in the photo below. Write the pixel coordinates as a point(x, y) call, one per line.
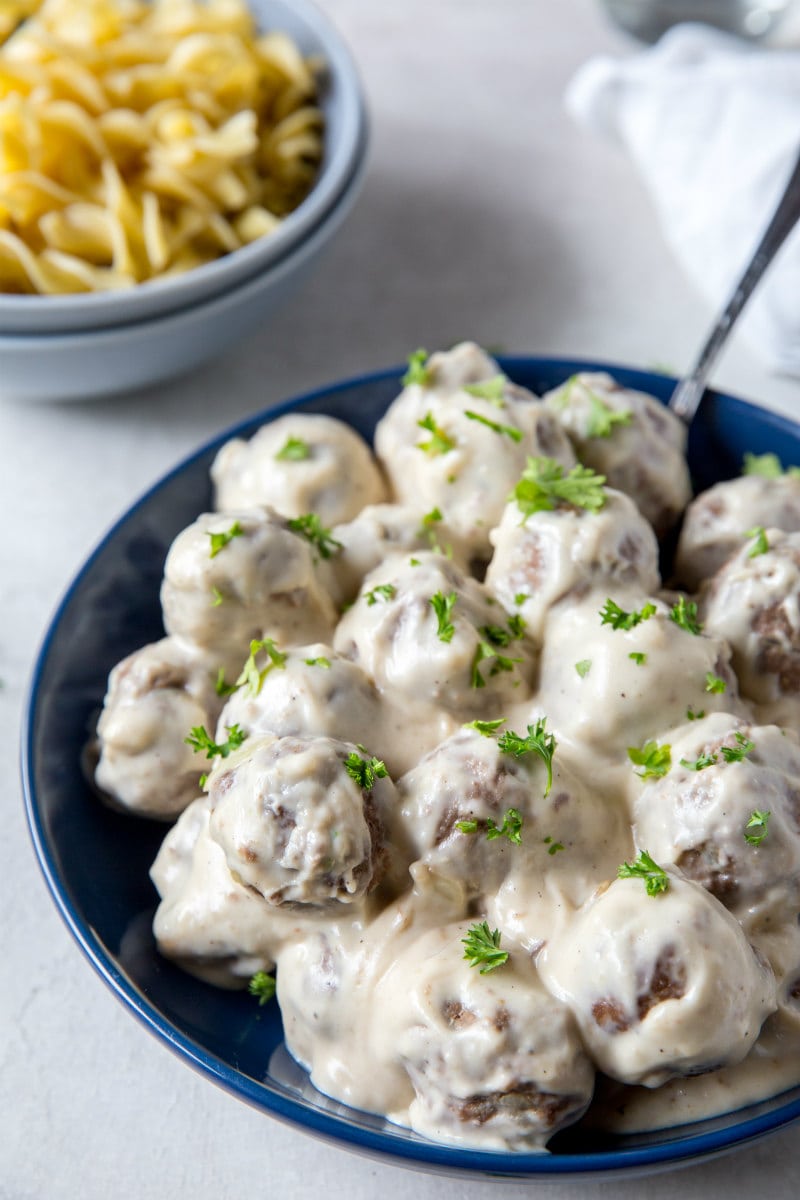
point(96, 861)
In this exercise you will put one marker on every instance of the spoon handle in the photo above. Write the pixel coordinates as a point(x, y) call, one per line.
point(689, 392)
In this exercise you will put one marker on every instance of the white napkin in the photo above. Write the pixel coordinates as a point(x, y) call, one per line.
point(713, 124)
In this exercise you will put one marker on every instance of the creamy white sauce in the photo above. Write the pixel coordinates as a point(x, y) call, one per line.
point(362, 892)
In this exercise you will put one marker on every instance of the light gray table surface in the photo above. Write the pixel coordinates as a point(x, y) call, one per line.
point(485, 214)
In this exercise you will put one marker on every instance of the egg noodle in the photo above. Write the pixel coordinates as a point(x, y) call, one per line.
point(139, 140)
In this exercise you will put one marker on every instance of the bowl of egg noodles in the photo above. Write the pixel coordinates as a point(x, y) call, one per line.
point(155, 158)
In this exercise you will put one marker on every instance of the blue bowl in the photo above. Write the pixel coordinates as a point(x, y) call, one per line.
point(96, 861)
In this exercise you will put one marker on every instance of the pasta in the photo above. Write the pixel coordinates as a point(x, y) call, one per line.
point(139, 140)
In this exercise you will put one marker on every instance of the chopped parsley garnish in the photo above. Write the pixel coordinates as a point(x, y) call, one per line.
point(583, 667)
point(509, 430)
point(655, 877)
point(691, 715)
point(364, 770)
point(520, 598)
point(439, 442)
point(700, 764)
point(511, 827)
point(384, 590)
point(767, 465)
point(553, 847)
point(323, 662)
point(427, 530)
point(418, 370)
point(431, 518)
point(199, 740)
point(216, 597)
point(756, 828)
point(603, 418)
point(738, 752)
point(483, 651)
point(443, 607)
point(262, 985)
point(486, 728)
point(251, 677)
point(638, 657)
point(714, 684)
point(543, 485)
point(482, 948)
point(293, 450)
point(492, 389)
point(220, 540)
point(517, 626)
point(221, 687)
point(684, 614)
point(538, 741)
point(654, 760)
point(611, 614)
point(760, 545)
point(311, 528)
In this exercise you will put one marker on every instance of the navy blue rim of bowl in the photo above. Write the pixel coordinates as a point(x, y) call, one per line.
point(338, 53)
point(419, 1154)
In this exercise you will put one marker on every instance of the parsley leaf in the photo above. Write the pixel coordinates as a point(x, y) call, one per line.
point(767, 465)
point(509, 430)
point(520, 598)
point(583, 667)
point(440, 441)
point(318, 662)
point(220, 540)
point(386, 590)
point(638, 657)
point(714, 684)
point(364, 770)
point(293, 450)
point(418, 370)
point(486, 728)
point(654, 760)
point(684, 614)
point(483, 651)
point(443, 607)
point(739, 752)
point(538, 741)
point(517, 626)
point(511, 827)
point(483, 947)
point(700, 764)
point(253, 678)
point(691, 715)
point(655, 877)
point(492, 390)
point(758, 825)
point(262, 985)
point(543, 485)
point(311, 528)
point(216, 597)
point(611, 614)
point(221, 687)
point(603, 418)
point(553, 847)
point(760, 545)
point(199, 740)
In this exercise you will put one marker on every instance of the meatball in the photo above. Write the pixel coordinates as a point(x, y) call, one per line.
point(718, 520)
point(661, 985)
point(540, 559)
point(208, 921)
point(230, 578)
point(384, 529)
point(457, 441)
point(486, 820)
point(613, 688)
point(637, 443)
point(426, 633)
point(700, 816)
point(155, 696)
point(296, 825)
point(753, 602)
point(299, 463)
point(495, 1062)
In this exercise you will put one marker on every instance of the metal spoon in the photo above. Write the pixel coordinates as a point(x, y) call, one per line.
point(689, 392)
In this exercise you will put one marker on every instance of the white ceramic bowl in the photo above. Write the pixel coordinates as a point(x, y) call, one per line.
point(343, 104)
point(120, 358)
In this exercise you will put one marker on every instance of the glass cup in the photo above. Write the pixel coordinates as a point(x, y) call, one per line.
point(648, 19)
